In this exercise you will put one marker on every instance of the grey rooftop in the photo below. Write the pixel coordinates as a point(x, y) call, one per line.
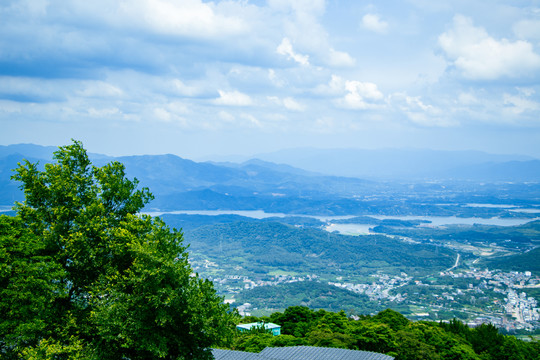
point(300, 353)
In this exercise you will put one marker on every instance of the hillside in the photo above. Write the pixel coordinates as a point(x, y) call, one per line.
point(258, 245)
point(528, 261)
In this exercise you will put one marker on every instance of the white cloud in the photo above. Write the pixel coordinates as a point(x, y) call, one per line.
point(162, 114)
point(275, 79)
point(292, 104)
point(372, 22)
point(315, 7)
point(336, 86)
point(252, 121)
point(8, 106)
point(420, 113)
point(288, 103)
point(100, 89)
point(103, 112)
point(301, 26)
point(481, 57)
point(191, 18)
point(527, 91)
point(517, 105)
point(340, 59)
point(285, 48)
point(170, 113)
point(361, 96)
point(354, 95)
point(233, 98)
point(183, 89)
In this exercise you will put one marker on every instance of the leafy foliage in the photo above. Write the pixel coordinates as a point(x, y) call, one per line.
point(390, 333)
point(83, 276)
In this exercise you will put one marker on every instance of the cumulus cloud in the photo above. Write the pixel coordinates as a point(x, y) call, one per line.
point(373, 23)
point(302, 27)
point(340, 59)
point(419, 112)
point(233, 98)
point(285, 48)
point(184, 89)
point(359, 95)
point(481, 57)
point(352, 94)
point(517, 104)
point(191, 18)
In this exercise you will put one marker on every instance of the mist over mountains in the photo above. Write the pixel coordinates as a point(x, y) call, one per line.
point(334, 181)
point(410, 164)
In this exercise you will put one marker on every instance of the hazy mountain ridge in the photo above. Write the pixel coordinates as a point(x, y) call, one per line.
point(402, 163)
point(256, 184)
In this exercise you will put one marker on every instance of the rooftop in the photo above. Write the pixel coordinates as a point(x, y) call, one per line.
point(300, 353)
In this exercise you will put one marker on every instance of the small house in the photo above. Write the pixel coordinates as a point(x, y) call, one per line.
point(275, 329)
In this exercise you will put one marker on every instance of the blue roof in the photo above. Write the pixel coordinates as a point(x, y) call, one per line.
point(251, 325)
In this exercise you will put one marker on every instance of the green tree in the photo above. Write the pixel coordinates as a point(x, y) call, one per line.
point(373, 336)
point(119, 284)
point(392, 318)
point(295, 320)
point(27, 282)
point(425, 340)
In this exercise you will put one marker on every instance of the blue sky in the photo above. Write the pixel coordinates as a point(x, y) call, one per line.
point(198, 78)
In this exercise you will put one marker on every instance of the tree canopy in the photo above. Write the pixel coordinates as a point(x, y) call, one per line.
point(84, 275)
point(389, 333)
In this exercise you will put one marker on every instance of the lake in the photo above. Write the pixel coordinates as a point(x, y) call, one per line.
point(362, 228)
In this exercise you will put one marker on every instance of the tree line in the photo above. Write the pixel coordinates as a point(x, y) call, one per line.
point(389, 333)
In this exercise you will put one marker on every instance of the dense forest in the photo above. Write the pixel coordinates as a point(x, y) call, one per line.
point(388, 332)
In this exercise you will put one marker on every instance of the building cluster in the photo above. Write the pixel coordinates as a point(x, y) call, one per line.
point(379, 290)
point(522, 308)
point(475, 296)
point(233, 284)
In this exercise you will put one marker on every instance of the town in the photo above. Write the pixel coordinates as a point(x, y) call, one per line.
point(473, 295)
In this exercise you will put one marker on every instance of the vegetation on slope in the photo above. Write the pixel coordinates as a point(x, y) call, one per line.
point(387, 332)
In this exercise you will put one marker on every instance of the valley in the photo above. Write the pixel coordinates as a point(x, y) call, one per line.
point(271, 236)
point(448, 275)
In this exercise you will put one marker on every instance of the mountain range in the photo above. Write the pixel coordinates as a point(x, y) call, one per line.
point(410, 164)
point(312, 181)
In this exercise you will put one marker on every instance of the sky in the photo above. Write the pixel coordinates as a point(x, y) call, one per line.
point(202, 79)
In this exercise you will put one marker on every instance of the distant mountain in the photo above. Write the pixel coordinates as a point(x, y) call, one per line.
point(28, 150)
point(397, 163)
point(181, 183)
point(258, 165)
point(256, 184)
point(37, 151)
